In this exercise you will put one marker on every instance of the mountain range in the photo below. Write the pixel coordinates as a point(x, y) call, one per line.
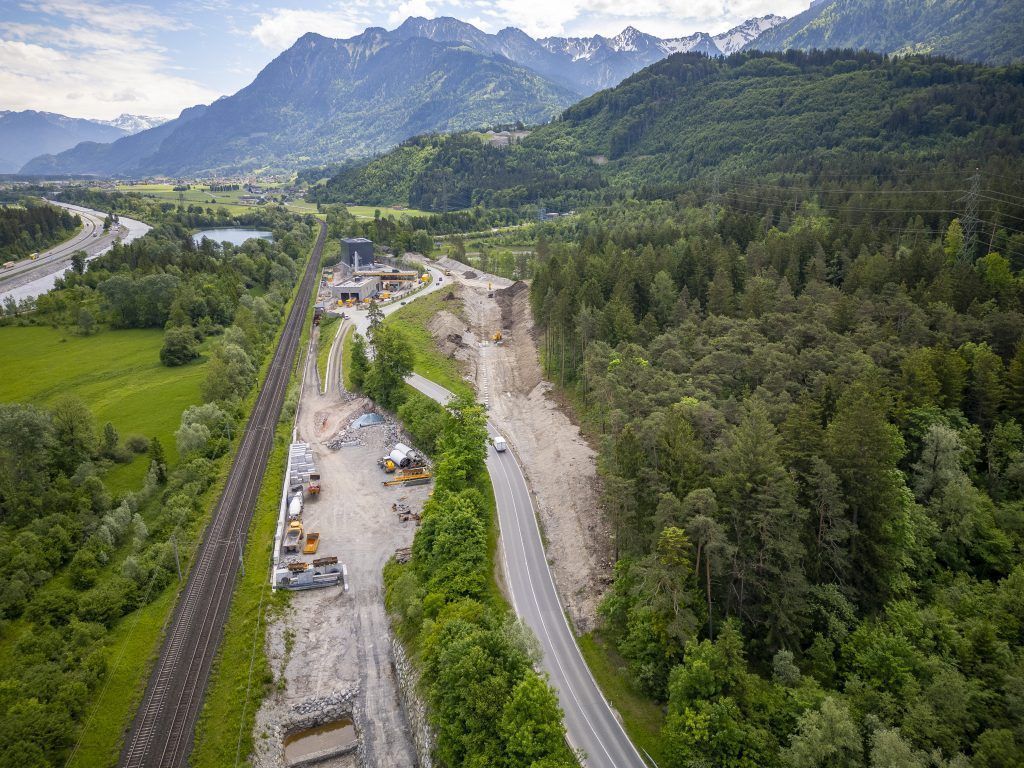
point(325, 100)
point(26, 134)
point(790, 118)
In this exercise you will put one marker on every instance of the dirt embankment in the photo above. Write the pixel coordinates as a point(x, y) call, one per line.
point(560, 466)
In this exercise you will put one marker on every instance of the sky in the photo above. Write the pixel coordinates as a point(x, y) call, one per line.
point(101, 58)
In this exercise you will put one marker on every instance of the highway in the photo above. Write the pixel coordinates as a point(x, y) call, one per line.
point(28, 276)
point(589, 722)
point(163, 731)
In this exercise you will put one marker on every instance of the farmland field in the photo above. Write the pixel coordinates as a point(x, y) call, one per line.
point(199, 194)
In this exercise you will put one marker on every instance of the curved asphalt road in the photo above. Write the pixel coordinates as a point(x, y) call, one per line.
point(589, 723)
point(91, 239)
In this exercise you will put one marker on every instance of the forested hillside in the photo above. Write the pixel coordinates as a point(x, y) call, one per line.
point(32, 227)
point(811, 417)
point(687, 118)
point(988, 31)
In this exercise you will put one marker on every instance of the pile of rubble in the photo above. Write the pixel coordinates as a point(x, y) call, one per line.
point(349, 436)
point(323, 709)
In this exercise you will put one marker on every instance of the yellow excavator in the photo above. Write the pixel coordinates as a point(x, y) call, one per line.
point(497, 337)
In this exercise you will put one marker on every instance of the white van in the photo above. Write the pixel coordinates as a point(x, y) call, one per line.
point(500, 445)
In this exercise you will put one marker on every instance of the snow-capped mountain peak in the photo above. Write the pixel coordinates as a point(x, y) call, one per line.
point(133, 123)
point(737, 37)
point(630, 39)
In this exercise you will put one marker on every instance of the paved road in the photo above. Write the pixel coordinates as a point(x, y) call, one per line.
point(28, 276)
point(589, 722)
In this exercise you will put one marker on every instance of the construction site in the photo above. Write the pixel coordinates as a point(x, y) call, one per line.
point(352, 499)
point(361, 276)
point(345, 694)
point(489, 329)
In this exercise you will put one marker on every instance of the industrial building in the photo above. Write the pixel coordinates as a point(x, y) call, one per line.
point(357, 288)
point(356, 251)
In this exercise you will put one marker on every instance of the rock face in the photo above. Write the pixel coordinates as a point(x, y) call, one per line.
point(415, 709)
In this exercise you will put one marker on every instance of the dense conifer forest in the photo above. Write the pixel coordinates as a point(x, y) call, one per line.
point(811, 420)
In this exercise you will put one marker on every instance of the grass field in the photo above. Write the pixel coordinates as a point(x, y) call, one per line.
point(641, 717)
point(199, 194)
point(117, 374)
point(411, 321)
point(328, 330)
point(368, 211)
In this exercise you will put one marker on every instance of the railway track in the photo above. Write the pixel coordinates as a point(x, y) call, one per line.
point(162, 733)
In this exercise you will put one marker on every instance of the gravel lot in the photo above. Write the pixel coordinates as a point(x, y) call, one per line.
point(329, 640)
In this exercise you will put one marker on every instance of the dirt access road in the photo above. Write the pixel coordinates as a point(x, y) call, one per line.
point(560, 467)
point(329, 641)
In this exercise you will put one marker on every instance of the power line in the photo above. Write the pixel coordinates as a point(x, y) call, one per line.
point(970, 220)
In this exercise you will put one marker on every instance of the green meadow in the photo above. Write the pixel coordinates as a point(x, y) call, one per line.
point(118, 374)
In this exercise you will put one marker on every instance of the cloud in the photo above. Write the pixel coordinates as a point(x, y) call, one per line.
point(278, 28)
point(126, 17)
point(410, 8)
point(664, 18)
point(93, 60)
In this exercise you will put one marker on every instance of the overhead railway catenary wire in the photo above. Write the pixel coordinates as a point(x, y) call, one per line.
point(162, 733)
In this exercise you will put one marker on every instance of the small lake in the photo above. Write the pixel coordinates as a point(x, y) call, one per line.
point(234, 235)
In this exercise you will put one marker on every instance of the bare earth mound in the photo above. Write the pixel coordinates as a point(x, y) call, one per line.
point(559, 465)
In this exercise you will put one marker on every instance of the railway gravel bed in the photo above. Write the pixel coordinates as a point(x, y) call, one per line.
point(164, 726)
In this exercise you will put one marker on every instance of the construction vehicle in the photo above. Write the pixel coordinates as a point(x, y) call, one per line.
point(384, 295)
point(312, 542)
point(387, 464)
point(447, 272)
point(496, 337)
point(417, 476)
point(293, 536)
point(314, 483)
